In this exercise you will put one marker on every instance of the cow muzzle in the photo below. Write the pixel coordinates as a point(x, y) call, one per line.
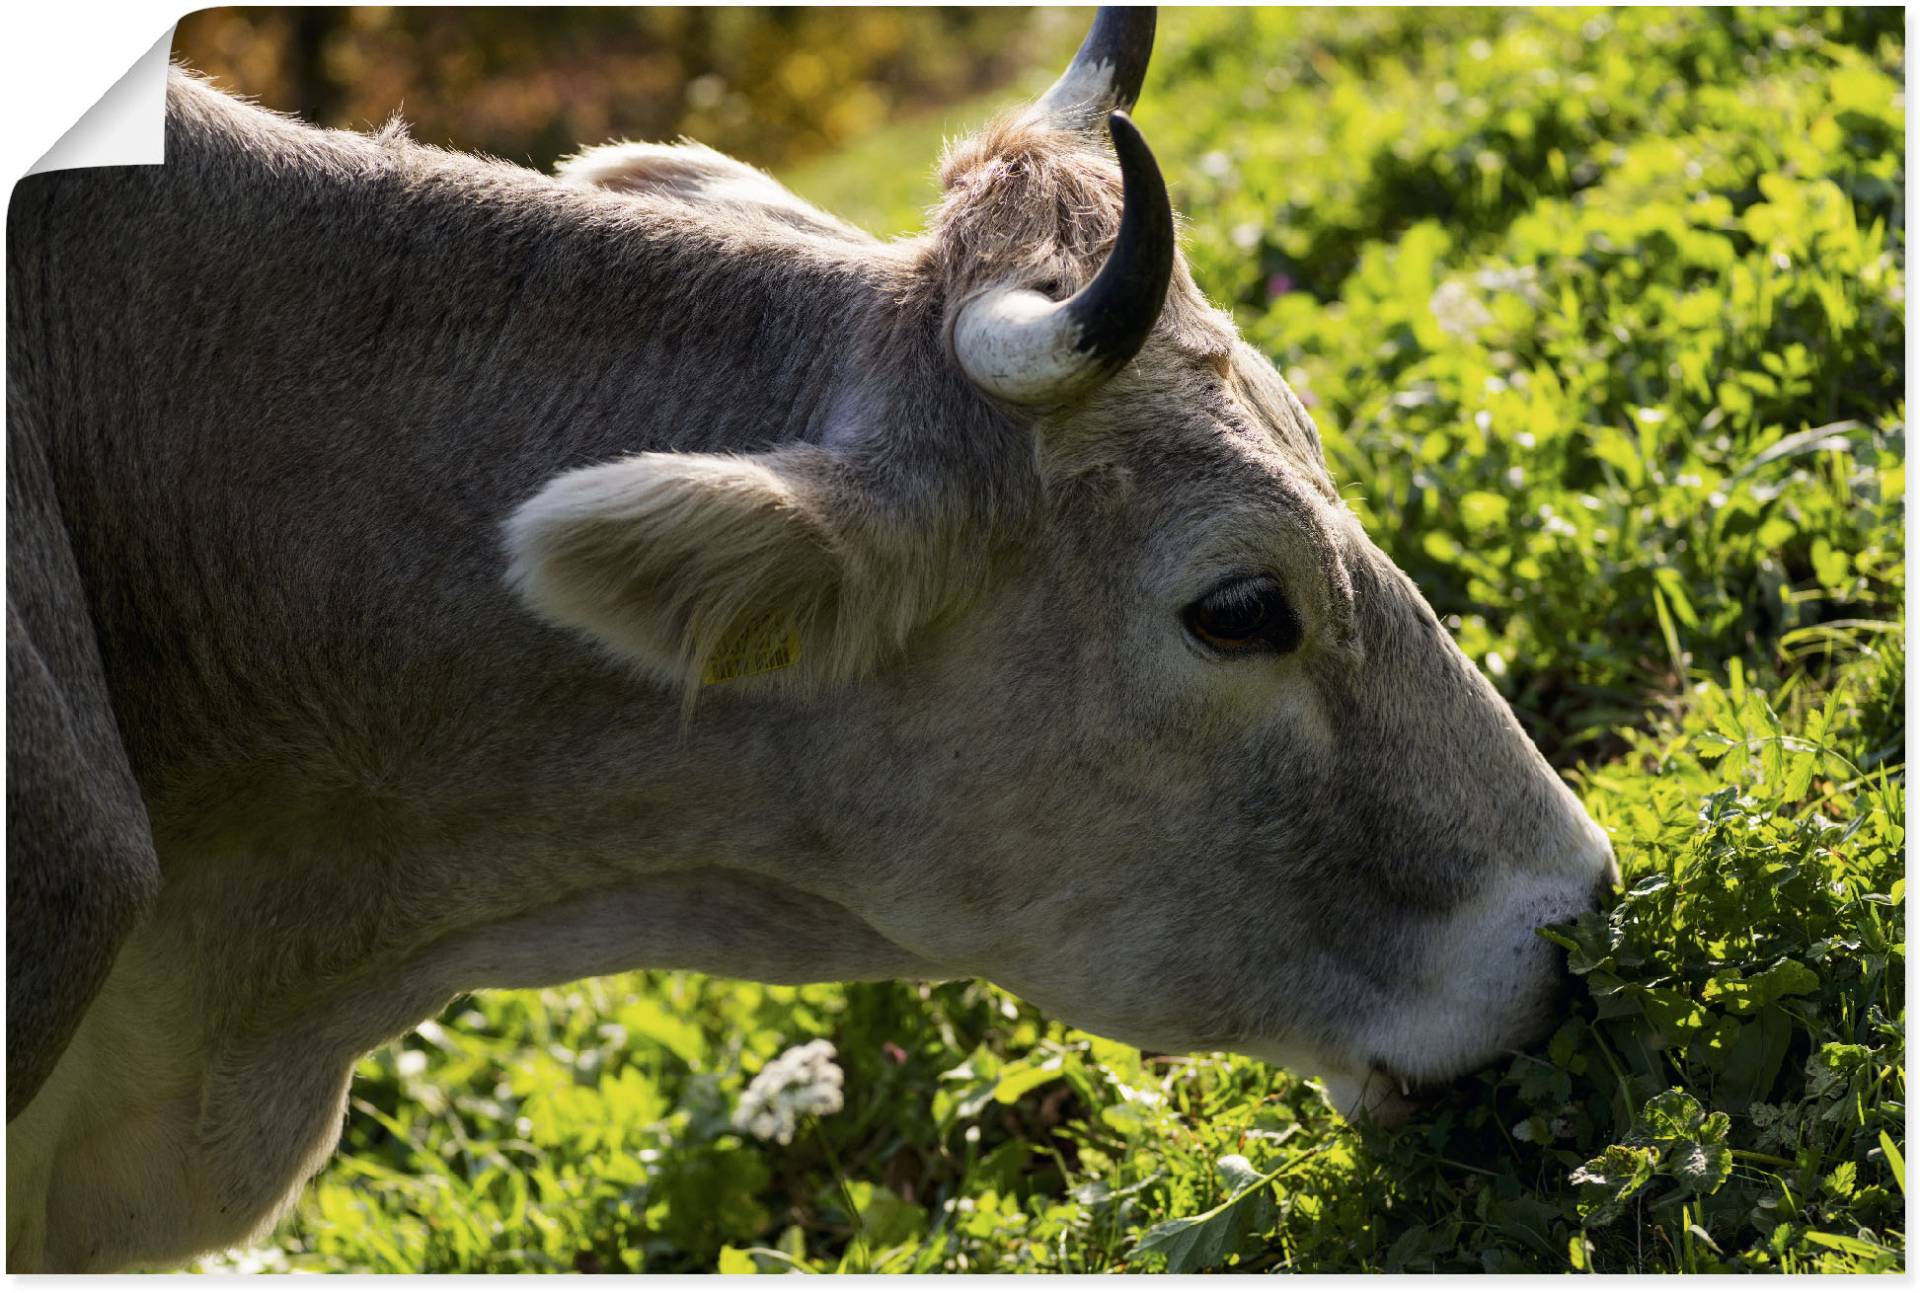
point(1491, 986)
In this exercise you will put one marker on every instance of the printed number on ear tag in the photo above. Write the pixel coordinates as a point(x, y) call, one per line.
point(761, 647)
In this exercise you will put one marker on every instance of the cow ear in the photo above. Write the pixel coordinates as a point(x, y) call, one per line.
point(750, 572)
point(689, 171)
point(696, 174)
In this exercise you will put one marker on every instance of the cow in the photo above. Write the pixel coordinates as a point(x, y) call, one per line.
point(427, 575)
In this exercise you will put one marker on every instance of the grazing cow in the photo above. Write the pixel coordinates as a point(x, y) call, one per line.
point(425, 575)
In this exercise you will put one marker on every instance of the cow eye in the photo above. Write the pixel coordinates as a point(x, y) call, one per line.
point(1244, 615)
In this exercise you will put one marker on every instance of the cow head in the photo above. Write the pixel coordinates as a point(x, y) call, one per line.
point(1095, 686)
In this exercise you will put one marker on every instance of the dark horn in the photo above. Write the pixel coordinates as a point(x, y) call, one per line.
point(1117, 310)
point(1108, 70)
point(1018, 345)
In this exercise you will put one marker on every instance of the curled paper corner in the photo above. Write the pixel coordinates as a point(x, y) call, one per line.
point(126, 126)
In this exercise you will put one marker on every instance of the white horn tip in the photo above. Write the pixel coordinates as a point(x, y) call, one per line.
point(1017, 345)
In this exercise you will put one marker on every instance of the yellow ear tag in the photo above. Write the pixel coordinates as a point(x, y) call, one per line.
point(764, 645)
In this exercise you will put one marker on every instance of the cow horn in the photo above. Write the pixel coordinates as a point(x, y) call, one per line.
point(1106, 72)
point(1028, 349)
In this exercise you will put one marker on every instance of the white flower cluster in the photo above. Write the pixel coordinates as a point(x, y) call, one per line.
point(1461, 313)
point(803, 1081)
point(1457, 310)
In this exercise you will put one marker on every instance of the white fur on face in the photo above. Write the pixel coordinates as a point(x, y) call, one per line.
point(1492, 978)
point(1487, 988)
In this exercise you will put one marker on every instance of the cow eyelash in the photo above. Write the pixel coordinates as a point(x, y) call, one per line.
point(1245, 615)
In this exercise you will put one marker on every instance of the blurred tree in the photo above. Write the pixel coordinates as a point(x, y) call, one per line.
point(767, 85)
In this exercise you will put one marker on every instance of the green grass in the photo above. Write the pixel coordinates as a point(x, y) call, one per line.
point(1601, 316)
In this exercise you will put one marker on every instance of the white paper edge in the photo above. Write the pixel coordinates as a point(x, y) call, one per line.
point(126, 126)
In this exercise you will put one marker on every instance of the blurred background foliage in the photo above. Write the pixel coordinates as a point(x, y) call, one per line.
point(769, 86)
